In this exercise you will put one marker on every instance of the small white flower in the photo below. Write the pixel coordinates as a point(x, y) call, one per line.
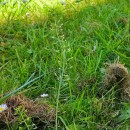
point(3, 107)
point(94, 48)
point(44, 95)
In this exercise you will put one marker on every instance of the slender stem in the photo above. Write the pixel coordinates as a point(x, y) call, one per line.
point(59, 87)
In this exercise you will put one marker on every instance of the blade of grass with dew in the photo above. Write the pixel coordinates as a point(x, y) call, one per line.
point(20, 88)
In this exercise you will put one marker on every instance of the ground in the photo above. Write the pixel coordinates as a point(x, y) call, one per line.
point(69, 43)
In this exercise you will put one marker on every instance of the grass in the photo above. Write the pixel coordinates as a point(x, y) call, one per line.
point(69, 45)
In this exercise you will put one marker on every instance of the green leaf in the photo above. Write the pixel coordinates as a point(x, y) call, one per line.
point(125, 115)
point(20, 88)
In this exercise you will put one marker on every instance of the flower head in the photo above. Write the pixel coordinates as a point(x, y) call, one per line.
point(44, 95)
point(3, 107)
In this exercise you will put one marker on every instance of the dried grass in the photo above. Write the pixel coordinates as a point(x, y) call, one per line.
point(117, 74)
point(42, 112)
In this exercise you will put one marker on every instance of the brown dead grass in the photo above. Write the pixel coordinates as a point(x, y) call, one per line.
point(117, 74)
point(42, 112)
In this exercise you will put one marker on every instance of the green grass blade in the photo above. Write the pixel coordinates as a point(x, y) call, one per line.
point(20, 88)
